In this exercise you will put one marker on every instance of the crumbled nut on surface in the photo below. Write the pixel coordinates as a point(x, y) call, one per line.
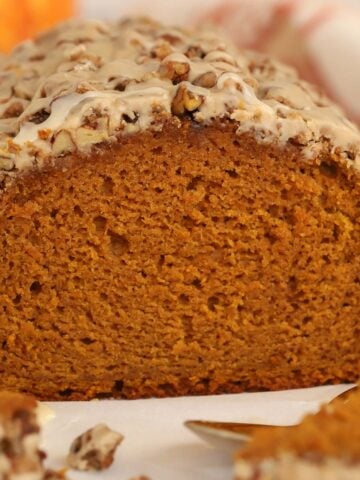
point(94, 449)
point(19, 438)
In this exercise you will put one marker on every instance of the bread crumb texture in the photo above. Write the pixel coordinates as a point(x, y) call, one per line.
point(188, 261)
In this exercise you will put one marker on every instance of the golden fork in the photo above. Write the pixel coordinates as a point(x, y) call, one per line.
point(227, 434)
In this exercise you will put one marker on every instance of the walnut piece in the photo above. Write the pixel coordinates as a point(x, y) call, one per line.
point(195, 51)
point(13, 110)
point(88, 136)
point(171, 38)
point(162, 50)
point(63, 143)
point(94, 449)
point(174, 71)
point(39, 117)
point(185, 101)
point(206, 80)
point(6, 164)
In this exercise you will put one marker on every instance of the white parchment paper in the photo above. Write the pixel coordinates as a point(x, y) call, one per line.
point(156, 442)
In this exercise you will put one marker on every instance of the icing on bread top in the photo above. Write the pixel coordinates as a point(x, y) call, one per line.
point(86, 82)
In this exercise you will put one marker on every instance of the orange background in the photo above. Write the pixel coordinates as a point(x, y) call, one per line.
point(21, 19)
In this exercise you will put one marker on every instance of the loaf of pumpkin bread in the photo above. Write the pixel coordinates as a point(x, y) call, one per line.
point(176, 217)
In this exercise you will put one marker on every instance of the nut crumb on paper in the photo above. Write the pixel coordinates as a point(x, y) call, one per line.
point(94, 449)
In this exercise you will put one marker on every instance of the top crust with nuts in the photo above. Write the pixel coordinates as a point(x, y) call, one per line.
point(87, 82)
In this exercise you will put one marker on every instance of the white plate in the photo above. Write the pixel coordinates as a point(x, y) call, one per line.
point(156, 442)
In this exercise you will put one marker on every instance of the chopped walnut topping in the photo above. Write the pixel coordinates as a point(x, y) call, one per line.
point(63, 143)
point(94, 449)
point(195, 51)
point(220, 56)
point(206, 80)
point(26, 88)
point(92, 119)
point(76, 52)
point(139, 65)
point(84, 87)
point(161, 51)
point(14, 109)
point(174, 71)
point(171, 38)
point(12, 147)
point(122, 83)
point(39, 117)
point(44, 134)
point(86, 136)
point(6, 164)
point(185, 101)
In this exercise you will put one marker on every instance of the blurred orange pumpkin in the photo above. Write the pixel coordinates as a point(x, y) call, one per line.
point(21, 19)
